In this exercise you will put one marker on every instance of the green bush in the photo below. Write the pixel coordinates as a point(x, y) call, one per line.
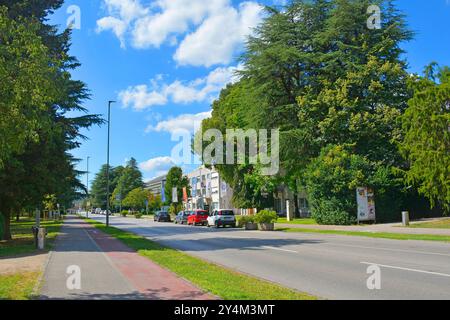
point(266, 216)
point(138, 215)
point(331, 212)
point(243, 220)
point(124, 213)
point(331, 181)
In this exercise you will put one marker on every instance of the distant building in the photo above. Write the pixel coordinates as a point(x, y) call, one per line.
point(208, 191)
point(157, 187)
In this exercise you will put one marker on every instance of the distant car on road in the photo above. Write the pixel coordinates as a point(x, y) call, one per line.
point(198, 217)
point(222, 218)
point(162, 216)
point(182, 217)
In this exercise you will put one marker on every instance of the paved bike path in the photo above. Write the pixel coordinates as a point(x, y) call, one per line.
point(109, 270)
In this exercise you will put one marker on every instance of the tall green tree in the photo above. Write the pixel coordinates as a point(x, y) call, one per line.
point(426, 143)
point(316, 71)
point(175, 179)
point(136, 199)
point(128, 178)
point(39, 161)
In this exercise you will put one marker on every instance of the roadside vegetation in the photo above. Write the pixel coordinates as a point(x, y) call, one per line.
point(439, 224)
point(307, 221)
point(384, 235)
point(23, 240)
point(18, 286)
point(222, 282)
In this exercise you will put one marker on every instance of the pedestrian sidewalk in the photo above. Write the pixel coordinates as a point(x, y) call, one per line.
point(109, 270)
point(389, 228)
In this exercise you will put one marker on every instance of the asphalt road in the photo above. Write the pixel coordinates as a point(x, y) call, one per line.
point(328, 266)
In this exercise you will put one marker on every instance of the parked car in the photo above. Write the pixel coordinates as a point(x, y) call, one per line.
point(162, 216)
point(222, 218)
point(98, 211)
point(198, 217)
point(182, 217)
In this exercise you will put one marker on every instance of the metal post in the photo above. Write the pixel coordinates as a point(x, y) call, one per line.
point(107, 163)
point(87, 188)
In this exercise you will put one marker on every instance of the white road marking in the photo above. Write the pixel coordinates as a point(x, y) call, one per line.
point(407, 269)
point(389, 249)
point(279, 249)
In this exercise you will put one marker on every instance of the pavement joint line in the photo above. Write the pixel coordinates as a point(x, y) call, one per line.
point(407, 269)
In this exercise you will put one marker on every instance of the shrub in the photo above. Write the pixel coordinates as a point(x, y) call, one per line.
point(138, 215)
point(331, 181)
point(266, 216)
point(331, 212)
point(243, 220)
point(124, 213)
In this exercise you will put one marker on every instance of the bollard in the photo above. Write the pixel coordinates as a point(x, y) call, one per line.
point(41, 233)
point(405, 218)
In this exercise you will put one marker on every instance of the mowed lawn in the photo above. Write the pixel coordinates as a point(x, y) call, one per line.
point(23, 240)
point(21, 286)
point(438, 224)
point(298, 221)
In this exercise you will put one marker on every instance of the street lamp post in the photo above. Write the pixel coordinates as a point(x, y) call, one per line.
point(107, 163)
point(87, 188)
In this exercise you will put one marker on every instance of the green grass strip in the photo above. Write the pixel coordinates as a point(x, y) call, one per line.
point(18, 286)
point(440, 224)
point(23, 240)
point(384, 235)
point(220, 281)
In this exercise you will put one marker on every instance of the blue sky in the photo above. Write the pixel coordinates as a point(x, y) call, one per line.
point(164, 61)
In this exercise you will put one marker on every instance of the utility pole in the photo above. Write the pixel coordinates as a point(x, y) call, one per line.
point(107, 163)
point(87, 188)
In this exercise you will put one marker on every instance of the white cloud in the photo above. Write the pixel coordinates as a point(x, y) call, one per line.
point(117, 26)
point(185, 122)
point(158, 165)
point(210, 31)
point(140, 97)
point(159, 93)
point(217, 38)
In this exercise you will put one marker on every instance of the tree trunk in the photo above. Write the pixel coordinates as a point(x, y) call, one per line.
point(7, 225)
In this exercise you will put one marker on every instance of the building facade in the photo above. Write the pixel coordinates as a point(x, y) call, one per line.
point(208, 191)
point(157, 186)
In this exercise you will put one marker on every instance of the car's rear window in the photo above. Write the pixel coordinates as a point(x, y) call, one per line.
point(163, 213)
point(202, 213)
point(226, 213)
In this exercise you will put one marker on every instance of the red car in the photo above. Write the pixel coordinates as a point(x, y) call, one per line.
point(198, 217)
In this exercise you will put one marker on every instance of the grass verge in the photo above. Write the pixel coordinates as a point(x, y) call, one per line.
point(220, 281)
point(439, 224)
point(384, 235)
point(18, 286)
point(297, 221)
point(23, 241)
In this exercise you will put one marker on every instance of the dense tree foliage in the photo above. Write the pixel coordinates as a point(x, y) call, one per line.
point(136, 199)
point(37, 94)
point(336, 89)
point(426, 142)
